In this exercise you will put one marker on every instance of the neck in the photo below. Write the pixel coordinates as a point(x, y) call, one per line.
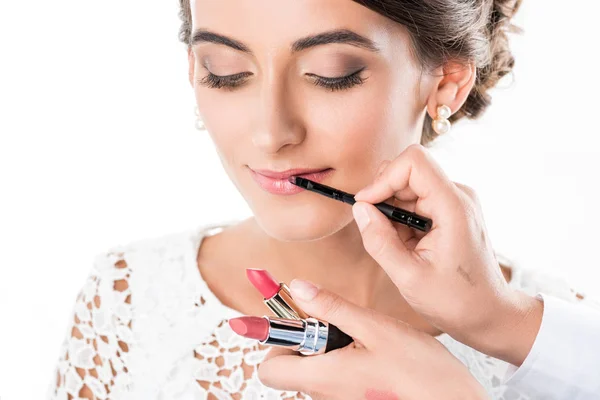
point(338, 262)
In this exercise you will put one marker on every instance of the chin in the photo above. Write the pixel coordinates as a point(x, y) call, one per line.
point(304, 224)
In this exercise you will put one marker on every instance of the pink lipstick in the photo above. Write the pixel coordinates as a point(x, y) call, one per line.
point(250, 327)
point(276, 295)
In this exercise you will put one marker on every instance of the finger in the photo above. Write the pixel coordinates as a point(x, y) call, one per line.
point(414, 170)
point(293, 372)
point(424, 171)
point(381, 240)
point(380, 170)
point(278, 352)
point(406, 194)
point(325, 305)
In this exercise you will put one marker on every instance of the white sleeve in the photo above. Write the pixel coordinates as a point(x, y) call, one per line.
point(564, 361)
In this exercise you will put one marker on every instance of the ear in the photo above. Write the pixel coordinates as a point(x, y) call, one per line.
point(455, 82)
point(191, 66)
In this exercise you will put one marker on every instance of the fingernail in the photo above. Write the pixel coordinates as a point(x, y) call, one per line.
point(303, 290)
point(361, 215)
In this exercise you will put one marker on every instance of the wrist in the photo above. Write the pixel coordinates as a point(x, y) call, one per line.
point(511, 334)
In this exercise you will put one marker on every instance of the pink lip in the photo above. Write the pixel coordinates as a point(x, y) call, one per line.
point(277, 182)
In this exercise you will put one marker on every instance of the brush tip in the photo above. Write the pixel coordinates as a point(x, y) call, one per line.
point(292, 179)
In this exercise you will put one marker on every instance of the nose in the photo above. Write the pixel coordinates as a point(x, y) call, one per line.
point(278, 124)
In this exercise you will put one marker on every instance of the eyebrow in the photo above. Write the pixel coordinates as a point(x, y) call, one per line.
point(344, 36)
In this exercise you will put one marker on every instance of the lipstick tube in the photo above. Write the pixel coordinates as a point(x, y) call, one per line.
point(283, 305)
point(308, 336)
point(276, 295)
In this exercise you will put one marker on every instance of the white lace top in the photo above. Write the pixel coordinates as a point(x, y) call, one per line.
point(145, 326)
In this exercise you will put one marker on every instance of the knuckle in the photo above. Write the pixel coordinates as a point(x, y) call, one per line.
point(470, 194)
point(461, 186)
point(471, 205)
point(463, 198)
point(468, 190)
point(416, 148)
point(417, 151)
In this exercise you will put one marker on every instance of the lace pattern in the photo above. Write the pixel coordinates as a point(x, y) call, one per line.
point(94, 357)
point(227, 367)
point(146, 326)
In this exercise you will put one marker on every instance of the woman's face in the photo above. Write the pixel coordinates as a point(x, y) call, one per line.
point(278, 117)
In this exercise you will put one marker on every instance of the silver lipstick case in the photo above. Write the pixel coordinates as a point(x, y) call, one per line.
point(307, 336)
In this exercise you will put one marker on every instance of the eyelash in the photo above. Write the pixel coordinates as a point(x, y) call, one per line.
point(228, 82)
point(231, 82)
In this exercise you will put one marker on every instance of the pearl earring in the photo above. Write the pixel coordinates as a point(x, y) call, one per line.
point(199, 124)
point(441, 125)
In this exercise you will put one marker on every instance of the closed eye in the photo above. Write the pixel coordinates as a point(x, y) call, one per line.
point(341, 83)
point(230, 82)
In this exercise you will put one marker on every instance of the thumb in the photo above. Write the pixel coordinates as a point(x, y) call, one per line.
point(381, 240)
point(327, 306)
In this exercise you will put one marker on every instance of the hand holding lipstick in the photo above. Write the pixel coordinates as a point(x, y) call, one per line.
point(449, 275)
point(392, 360)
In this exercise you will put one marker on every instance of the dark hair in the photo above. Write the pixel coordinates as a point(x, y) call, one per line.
point(442, 30)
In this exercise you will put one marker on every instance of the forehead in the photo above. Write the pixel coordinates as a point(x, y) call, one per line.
point(270, 25)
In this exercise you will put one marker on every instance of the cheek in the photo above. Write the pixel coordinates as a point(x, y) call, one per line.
point(225, 116)
point(356, 131)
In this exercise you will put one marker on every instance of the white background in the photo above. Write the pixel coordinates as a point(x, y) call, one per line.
point(98, 148)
